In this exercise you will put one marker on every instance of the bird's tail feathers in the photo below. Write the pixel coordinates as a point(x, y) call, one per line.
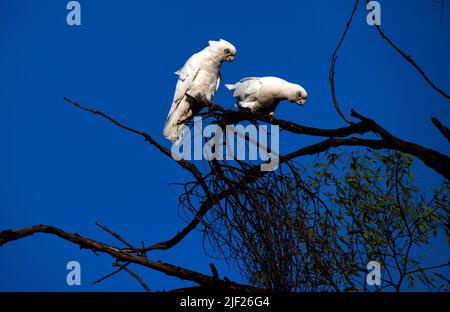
point(173, 129)
point(231, 87)
point(173, 132)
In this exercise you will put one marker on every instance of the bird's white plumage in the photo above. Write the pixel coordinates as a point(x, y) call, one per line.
point(263, 94)
point(198, 78)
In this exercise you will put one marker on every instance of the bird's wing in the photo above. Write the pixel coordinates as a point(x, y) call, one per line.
point(250, 78)
point(251, 86)
point(187, 75)
point(246, 92)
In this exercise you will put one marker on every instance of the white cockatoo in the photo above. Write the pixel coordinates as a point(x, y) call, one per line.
point(263, 94)
point(199, 78)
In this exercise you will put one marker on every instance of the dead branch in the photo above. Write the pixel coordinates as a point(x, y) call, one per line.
point(333, 64)
point(443, 129)
point(184, 164)
point(134, 275)
point(8, 236)
point(433, 159)
point(116, 236)
point(112, 273)
point(410, 60)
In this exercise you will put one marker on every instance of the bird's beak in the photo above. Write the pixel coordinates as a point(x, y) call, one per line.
point(230, 58)
point(301, 102)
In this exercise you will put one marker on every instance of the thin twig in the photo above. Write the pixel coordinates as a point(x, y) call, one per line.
point(112, 273)
point(8, 236)
point(137, 277)
point(333, 65)
point(117, 236)
point(443, 129)
point(410, 60)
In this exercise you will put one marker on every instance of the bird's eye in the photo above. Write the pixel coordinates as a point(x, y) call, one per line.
point(227, 51)
point(299, 94)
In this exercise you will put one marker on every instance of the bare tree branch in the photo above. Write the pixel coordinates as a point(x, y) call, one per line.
point(116, 236)
point(433, 159)
point(186, 165)
point(183, 163)
point(411, 61)
point(122, 256)
point(434, 267)
point(112, 273)
point(443, 129)
point(333, 64)
point(229, 117)
point(134, 275)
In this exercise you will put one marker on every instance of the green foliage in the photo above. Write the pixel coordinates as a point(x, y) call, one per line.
point(316, 227)
point(387, 215)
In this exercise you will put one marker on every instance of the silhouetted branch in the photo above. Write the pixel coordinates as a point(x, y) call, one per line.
point(434, 267)
point(443, 129)
point(8, 236)
point(333, 64)
point(214, 271)
point(230, 117)
point(226, 117)
point(112, 273)
point(140, 280)
point(116, 236)
point(135, 276)
point(186, 165)
point(411, 61)
point(433, 159)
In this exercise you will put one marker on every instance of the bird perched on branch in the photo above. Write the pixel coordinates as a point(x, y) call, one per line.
point(198, 79)
point(262, 95)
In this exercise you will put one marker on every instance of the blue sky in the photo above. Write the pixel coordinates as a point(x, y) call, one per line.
point(68, 168)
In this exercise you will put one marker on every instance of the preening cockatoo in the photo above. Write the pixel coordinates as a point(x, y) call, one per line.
point(262, 95)
point(198, 78)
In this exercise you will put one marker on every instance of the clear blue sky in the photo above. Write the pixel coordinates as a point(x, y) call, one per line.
point(68, 168)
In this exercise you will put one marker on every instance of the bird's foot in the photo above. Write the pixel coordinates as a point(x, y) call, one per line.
point(201, 99)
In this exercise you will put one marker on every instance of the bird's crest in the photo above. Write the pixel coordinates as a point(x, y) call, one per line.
point(221, 41)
